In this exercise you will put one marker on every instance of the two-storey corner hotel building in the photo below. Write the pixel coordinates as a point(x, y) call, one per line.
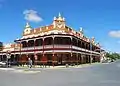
point(54, 44)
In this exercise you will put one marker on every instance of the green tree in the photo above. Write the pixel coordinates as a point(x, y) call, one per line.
point(113, 56)
point(116, 56)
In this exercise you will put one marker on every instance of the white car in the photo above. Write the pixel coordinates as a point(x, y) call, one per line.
point(2, 64)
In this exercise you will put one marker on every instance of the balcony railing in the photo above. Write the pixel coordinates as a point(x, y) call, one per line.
point(27, 48)
point(95, 52)
point(16, 49)
point(82, 49)
point(38, 47)
point(62, 46)
point(48, 46)
point(24, 49)
point(78, 48)
point(59, 46)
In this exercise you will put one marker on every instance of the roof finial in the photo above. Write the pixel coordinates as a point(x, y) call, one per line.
point(27, 25)
point(59, 14)
point(81, 30)
point(55, 18)
point(93, 39)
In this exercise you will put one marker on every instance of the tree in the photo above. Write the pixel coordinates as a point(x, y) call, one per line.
point(116, 56)
point(113, 56)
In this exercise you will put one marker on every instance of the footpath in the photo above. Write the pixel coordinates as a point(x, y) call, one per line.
point(55, 67)
point(38, 69)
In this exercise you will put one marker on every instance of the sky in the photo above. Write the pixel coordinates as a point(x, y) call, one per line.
point(98, 18)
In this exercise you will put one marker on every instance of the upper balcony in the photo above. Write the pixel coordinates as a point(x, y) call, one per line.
point(58, 42)
point(47, 47)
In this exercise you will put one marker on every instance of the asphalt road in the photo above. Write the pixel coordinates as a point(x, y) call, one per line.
point(96, 75)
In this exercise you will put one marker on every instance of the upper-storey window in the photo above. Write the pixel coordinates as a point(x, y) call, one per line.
point(38, 42)
point(30, 43)
point(74, 42)
point(48, 41)
point(88, 46)
point(79, 43)
point(24, 44)
point(83, 44)
point(62, 40)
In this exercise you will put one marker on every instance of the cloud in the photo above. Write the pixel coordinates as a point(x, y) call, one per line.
point(115, 34)
point(32, 15)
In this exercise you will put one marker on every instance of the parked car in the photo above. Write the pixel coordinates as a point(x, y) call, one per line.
point(3, 64)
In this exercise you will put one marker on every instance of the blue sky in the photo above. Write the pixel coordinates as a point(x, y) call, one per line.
point(99, 18)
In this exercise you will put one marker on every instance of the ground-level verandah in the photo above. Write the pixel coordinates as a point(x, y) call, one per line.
point(51, 59)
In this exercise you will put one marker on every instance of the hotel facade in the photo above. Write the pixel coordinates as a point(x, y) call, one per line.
point(55, 44)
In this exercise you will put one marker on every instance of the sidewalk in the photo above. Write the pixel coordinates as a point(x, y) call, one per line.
point(36, 67)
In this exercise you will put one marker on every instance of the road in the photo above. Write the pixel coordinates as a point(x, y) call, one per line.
point(96, 75)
